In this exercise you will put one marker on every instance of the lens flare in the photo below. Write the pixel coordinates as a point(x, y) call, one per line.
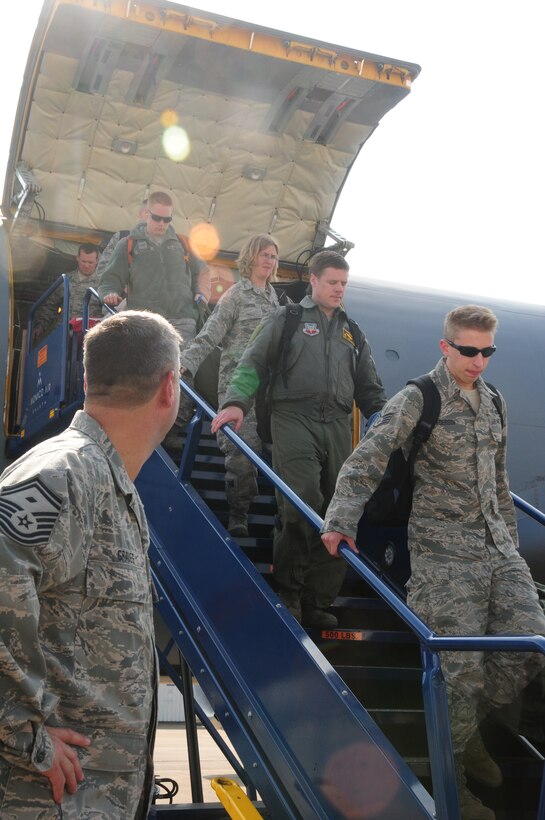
point(176, 143)
point(169, 117)
point(204, 241)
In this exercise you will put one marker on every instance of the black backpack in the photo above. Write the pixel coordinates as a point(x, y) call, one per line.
point(263, 399)
point(391, 503)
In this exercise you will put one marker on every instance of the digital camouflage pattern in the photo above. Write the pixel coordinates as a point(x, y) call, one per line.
point(107, 253)
point(467, 577)
point(79, 283)
point(234, 319)
point(76, 618)
point(187, 328)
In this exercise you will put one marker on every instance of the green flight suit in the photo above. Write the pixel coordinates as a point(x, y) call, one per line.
point(312, 433)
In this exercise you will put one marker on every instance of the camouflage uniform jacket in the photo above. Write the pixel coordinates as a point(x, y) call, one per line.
point(461, 484)
point(324, 375)
point(157, 278)
point(239, 311)
point(77, 644)
point(107, 253)
point(79, 283)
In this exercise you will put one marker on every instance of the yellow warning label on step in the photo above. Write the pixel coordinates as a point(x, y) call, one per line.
point(342, 635)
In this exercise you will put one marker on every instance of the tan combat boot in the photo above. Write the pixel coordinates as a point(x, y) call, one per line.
point(471, 807)
point(478, 763)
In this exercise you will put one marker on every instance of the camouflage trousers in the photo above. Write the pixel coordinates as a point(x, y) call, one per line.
point(493, 596)
point(103, 795)
point(240, 473)
point(187, 330)
point(307, 455)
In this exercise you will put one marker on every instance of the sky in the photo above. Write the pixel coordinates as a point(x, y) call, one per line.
point(448, 191)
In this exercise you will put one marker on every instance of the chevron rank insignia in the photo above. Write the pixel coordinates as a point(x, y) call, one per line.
point(28, 512)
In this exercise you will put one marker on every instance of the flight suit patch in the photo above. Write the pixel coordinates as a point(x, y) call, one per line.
point(347, 336)
point(311, 328)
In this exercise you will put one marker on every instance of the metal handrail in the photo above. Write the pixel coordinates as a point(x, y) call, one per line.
point(433, 684)
point(63, 279)
point(533, 512)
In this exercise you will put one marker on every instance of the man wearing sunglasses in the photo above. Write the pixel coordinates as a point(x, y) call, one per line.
point(467, 576)
point(160, 274)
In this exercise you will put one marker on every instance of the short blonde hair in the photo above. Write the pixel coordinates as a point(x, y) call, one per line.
point(469, 317)
point(160, 198)
point(249, 253)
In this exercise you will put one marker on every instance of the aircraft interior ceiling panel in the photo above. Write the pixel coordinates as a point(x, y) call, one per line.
point(69, 158)
point(44, 116)
point(110, 211)
point(56, 74)
point(187, 181)
point(318, 171)
point(40, 154)
point(58, 200)
point(298, 209)
point(119, 91)
point(297, 238)
point(241, 210)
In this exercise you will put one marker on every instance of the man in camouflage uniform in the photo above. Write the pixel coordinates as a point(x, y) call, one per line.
point(467, 576)
point(311, 426)
point(77, 651)
point(85, 276)
point(158, 274)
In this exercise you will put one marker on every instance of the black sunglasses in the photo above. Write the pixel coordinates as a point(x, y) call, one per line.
point(157, 218)
point(470, 352)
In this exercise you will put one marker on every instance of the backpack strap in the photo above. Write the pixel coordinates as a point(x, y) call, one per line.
point(293, 317)
point(428, 417)
point(130, 250)
point(184, 241)
point(496, 400)
point(357, 334)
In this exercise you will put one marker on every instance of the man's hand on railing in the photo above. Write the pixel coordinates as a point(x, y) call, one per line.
point(112, 299)
point(226, 416)
point(332, 540)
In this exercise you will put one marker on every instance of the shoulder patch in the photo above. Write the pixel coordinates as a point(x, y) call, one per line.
point(311, 328)
point(383, 419)
point(28, 512)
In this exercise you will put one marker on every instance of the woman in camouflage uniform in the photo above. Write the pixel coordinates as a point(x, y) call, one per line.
point(239, 311)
